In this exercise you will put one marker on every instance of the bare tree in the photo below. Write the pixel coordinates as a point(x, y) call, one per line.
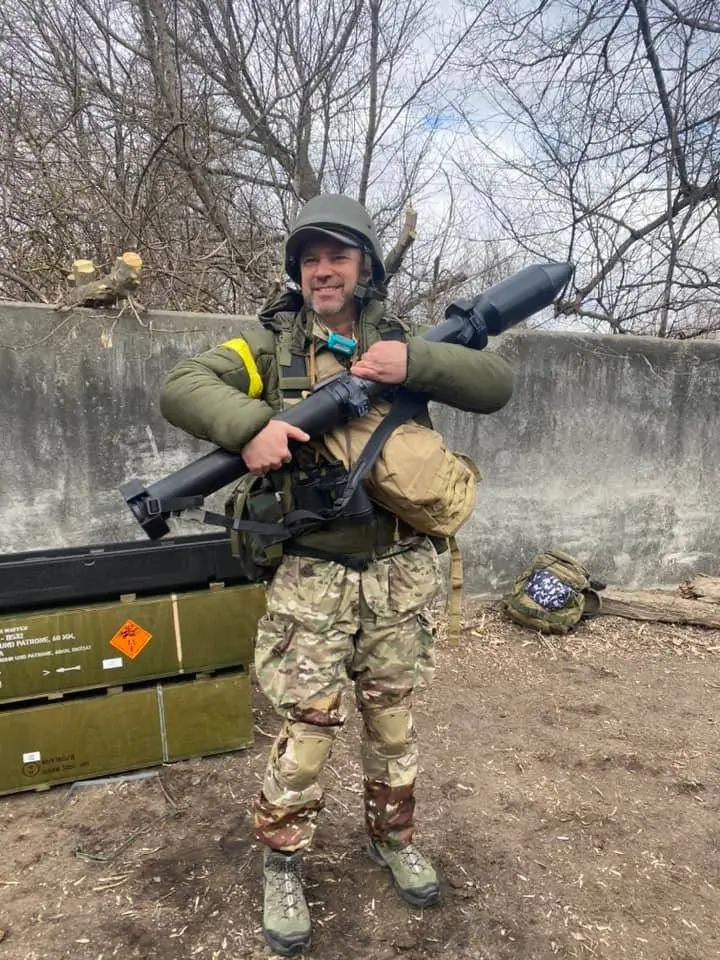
point(603, 150)
point(191, 130)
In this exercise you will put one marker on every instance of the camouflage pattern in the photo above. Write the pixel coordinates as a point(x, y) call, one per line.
point(325, 624)
point(389, 812)
point(582, 597)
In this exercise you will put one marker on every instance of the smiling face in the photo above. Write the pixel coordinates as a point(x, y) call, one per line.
point(329, 273)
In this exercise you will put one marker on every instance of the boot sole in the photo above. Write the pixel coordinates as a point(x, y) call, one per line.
point(428, 896)
point(292, 946)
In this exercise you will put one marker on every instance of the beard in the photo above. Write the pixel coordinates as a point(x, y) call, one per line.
point(332, 308)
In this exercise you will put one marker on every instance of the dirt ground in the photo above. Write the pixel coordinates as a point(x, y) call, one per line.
point(570, 795)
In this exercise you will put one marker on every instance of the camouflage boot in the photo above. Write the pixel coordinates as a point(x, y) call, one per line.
point(414, 876)
point(286, 918)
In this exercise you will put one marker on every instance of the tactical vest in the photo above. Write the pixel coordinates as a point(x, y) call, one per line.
point(300, 367)
point(267, 500)
point(414, 476)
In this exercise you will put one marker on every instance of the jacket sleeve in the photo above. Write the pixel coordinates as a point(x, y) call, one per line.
point(221, 395)
point(478, 381)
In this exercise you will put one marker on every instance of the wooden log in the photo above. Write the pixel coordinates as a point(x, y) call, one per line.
point(121, 281)
point(661, 606)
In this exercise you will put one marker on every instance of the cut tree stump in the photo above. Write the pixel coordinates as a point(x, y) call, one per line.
point(662, 606)
point(118, 284)
point(396, 256)
point(83, 271)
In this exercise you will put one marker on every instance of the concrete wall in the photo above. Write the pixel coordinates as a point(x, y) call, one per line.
point(609, 446)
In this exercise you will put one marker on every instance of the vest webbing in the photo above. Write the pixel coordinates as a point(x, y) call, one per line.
point(295, 380)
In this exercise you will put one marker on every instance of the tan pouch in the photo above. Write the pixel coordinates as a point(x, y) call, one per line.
point(415, 476)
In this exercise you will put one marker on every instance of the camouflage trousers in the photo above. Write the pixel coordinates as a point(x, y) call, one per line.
point(327, 625)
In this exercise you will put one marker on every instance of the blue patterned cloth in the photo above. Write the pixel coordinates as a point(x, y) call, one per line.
point(547, 590)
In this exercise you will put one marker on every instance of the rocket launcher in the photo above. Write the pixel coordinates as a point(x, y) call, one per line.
point(468, 323)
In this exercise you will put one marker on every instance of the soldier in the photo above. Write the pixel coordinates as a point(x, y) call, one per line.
point(347, 600)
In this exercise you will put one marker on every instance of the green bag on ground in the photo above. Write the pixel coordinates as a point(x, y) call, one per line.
point(553, 594)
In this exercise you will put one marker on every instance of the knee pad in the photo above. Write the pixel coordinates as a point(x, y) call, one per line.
point(391, 728)
point(302, 761)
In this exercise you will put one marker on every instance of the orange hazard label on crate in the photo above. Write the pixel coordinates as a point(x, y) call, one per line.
point(131, 639)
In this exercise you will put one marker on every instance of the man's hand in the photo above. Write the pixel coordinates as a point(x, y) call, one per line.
point(385, 361)
point(268, 450)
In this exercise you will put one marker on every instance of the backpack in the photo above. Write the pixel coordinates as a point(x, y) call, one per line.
point(553, 594)
point(405, 467)
point(415, 475)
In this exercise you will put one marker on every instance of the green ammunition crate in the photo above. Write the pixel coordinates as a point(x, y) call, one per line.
point(52, 652)
point(108, 733)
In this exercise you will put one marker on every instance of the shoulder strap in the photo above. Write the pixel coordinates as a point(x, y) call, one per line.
point(388, 326)
point(293, 373)
point(291, 353)
point(298, 522)
point(392, 332)
point(404, 407)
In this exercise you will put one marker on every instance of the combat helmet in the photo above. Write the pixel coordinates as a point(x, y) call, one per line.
point(339, 218)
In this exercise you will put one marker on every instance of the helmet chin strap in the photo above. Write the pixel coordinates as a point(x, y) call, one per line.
point(368, 289)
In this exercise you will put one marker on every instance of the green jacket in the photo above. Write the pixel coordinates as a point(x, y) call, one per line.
point(227, 394)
